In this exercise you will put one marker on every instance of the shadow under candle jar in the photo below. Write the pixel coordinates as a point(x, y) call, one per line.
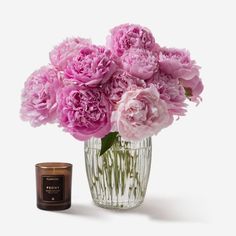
point(53, 182)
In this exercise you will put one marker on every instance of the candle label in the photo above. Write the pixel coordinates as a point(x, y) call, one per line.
point(53, 188)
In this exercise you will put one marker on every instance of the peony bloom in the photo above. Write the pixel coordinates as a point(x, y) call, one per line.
point(39, 96)
point(141, 113)
point(119, 83)
point(91, 66)
point(140, 63)
point(66, 50)
point(178, 63)
point(128, 36)
point(193, 88)
point(84, 113)
point(171, 91)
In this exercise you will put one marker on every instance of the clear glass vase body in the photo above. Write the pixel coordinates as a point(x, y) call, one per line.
point(118, 179)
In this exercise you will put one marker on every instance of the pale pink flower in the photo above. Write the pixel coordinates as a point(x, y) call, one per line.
point(39, 96)
point(171, 91)
point(91, 66)
point(128, 36)
point(140, 114)
point(84, 112)
point(178, 63)
point(140, 63)
point(193, 88)
point(119, 83)
point(65, 51)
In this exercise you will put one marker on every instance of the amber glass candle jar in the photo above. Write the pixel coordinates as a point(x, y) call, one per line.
point(53, 182)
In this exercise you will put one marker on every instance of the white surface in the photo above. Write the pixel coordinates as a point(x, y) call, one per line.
point(192, 183)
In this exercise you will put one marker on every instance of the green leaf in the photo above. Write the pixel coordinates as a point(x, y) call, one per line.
point(108, 141)
point(188, 92)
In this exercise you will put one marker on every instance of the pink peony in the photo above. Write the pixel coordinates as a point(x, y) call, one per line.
point(66, 50)
point(193, 88)
point(120, 82)
point(84, 113)
point(91, 66)
point(39, 96)
point(171, 91)
point(178, 63)
point(127, 36)
point(140, 63)
point(141, 113)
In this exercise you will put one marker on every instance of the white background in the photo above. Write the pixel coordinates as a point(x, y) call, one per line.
point(192, 183)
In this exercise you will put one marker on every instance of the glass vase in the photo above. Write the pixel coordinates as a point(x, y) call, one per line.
point(118, 179)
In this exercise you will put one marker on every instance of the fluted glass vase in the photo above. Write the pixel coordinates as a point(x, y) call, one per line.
point(118, 179)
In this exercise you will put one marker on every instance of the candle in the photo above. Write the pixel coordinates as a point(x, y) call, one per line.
point(53, 182)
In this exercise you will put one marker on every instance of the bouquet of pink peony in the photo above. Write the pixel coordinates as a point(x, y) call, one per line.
point(132, 87)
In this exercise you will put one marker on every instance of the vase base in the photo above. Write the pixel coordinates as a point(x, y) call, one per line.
point(118, 206)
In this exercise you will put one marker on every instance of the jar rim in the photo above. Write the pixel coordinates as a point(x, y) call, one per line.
point(53, 165)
